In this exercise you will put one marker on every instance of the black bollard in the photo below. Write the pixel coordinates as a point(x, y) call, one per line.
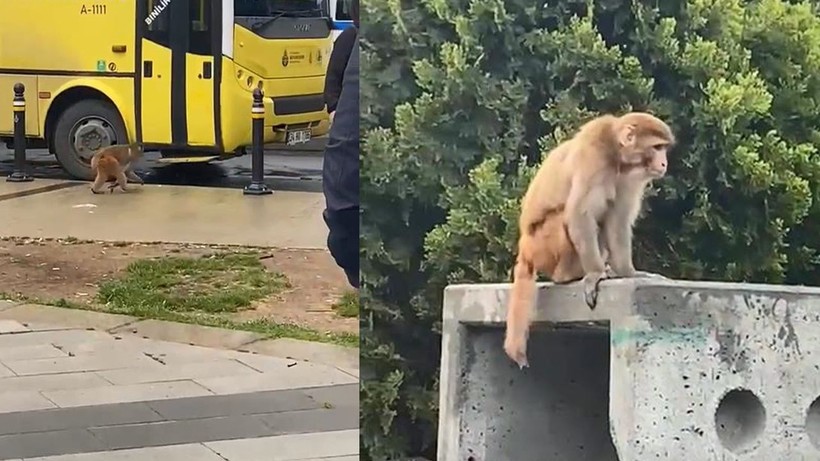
point(19, 105)
point(257, 185)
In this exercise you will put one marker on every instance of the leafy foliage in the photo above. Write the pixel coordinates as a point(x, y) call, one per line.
point(462, 98)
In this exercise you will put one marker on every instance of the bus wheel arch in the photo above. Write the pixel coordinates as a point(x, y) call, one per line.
point(82, 118)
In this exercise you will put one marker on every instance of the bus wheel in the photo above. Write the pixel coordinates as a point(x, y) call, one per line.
point(82, 129)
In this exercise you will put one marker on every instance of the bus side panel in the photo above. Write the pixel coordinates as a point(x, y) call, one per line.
point(235, 106)
point(119, 90)
point(7, 95)
point(68, 36)
point(156, 94)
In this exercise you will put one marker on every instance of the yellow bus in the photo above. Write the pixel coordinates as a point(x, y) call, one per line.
point(176, 75)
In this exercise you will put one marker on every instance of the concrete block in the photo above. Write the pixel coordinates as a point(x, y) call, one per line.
point(661, 369)
point(289, 447)
point(328, 354)
point(189, 334)
point(40, 316)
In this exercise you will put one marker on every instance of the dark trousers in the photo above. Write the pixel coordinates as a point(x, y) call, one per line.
point(343, 241)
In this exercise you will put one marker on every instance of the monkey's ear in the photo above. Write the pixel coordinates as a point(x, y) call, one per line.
point(626, 135)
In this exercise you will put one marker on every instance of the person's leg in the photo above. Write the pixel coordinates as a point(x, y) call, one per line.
point(343, 241)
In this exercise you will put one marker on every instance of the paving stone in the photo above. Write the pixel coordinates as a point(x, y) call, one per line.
point(236, 404)
point(189, 334)
point(40, 316)
point(174, 432)
point(6, 304)
point(110, 361)
point(58, 443)
point(289, 447)
point(320, 420)
point(213, 368)
point(328, 354)
point(23, 401)
point(58, 419)
point(336, 396)
point(50, 337)
point(11, 326)
point(128, 393)
point(40, 351)
point(5, 372)
point(351, 371)
point(51, 382)
point(187, 452)
point(172, 354)
point(302, 374)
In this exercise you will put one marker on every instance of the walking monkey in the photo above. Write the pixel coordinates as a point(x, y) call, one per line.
point(114, 163)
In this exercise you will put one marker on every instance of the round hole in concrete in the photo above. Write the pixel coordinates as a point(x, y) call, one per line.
point(739, 419)
point(813, 423)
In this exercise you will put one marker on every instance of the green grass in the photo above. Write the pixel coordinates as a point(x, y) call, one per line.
point(197, 291)
point(210, 284)
point(348, 305)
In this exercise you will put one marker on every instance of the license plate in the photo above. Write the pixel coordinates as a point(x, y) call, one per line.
point(297, 137)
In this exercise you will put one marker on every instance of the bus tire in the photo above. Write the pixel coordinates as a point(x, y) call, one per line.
point(98, 124)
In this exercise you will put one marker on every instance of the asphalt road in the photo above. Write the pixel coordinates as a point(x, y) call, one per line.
point(295, 169)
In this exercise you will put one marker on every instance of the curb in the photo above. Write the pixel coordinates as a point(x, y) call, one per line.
point(345, 359)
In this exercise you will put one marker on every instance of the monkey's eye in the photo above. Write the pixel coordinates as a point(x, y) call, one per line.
point(659, 147)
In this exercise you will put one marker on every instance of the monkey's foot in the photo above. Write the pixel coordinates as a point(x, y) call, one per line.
point(591, 282)
point(94, 191)
point(516, 348)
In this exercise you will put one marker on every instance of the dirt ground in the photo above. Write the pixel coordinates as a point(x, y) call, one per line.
point(53, 269)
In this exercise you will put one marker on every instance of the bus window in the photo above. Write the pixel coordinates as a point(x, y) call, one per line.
point(158, 28)
point(268, 8)
point(200, 38)
point(342, 10)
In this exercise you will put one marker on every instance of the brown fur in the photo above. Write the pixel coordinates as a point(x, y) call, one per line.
point(114, 163)
point(579, 210)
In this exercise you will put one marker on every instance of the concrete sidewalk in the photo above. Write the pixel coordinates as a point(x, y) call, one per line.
point(70, 392)
point(153, 213)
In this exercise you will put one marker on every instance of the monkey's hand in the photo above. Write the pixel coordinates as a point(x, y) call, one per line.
point(591, 282)
point(515, 345)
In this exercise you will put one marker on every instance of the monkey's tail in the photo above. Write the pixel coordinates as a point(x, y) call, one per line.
point(522, 295)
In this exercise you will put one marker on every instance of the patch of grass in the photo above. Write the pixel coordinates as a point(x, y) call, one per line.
point(210, 284)
point(196, 291)
point(347, 305)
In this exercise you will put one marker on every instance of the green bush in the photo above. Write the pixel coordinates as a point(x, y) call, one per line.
point(460, 100)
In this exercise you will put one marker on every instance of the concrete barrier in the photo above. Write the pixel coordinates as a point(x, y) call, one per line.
point(661, 370)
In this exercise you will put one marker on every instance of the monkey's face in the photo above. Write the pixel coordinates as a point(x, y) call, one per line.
point(645, 158)
point(644, 141)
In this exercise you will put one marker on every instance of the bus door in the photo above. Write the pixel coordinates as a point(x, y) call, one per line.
point(180, 72)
